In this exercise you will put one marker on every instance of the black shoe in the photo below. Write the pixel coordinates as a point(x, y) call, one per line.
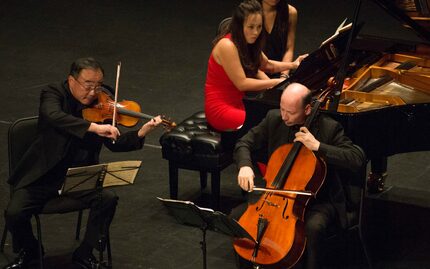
point(23, 260)
point(376, 182)
point(85, 262)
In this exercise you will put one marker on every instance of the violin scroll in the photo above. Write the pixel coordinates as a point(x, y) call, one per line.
point(167, 123)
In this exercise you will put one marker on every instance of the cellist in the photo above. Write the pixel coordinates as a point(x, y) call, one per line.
point(326, 139)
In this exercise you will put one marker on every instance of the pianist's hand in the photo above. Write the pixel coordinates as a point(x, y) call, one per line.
point(245, 178)
point(299, 60)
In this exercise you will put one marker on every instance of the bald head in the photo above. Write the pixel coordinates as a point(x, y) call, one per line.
point(296, 93)
point(295, 104)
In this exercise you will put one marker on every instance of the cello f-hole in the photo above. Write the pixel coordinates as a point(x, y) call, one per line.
point(285, 209)
point(258, 208)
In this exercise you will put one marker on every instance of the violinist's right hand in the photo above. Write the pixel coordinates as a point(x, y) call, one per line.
point(104, 130)
point(245, 178)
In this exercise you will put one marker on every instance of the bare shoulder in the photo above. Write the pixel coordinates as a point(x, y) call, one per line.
point(225, 44)
point(224, 48)
point(292, 11)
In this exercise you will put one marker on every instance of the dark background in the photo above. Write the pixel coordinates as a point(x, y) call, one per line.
point(164, 47)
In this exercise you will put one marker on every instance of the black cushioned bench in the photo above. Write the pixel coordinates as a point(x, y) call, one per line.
point(192, 145)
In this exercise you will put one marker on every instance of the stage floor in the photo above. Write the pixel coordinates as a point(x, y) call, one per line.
point(164, 48)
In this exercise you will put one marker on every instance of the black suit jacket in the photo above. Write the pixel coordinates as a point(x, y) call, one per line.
point(335, 149)
point(61, 126)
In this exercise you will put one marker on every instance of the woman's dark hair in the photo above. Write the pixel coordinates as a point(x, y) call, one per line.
point(84, 63)
point(276, 46)
point(249, 54)
point(282, 18)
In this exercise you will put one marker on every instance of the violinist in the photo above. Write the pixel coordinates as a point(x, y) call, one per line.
point(65, 140)
point(326, 139)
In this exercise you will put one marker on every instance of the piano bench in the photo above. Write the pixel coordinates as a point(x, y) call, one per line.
point(192, 145)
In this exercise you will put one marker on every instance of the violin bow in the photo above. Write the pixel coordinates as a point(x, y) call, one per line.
point(306, 193)
point(118, 71)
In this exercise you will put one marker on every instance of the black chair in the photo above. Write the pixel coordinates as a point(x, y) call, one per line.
point(354, 185)
point(223, 25)
point(192, 145)
point(20, 136)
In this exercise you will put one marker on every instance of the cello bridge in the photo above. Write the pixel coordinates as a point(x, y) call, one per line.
point(270, 203)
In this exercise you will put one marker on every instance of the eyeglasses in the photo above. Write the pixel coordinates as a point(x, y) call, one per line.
point(88, 86)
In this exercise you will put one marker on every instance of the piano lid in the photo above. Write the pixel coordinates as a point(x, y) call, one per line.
point(413, 13)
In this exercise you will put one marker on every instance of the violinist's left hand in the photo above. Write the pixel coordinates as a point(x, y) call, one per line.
point(149, 126)
point(307, 139)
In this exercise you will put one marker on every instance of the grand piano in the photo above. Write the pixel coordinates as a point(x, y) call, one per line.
point(384, 105)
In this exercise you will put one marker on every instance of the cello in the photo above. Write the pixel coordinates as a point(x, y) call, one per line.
point(276, 221)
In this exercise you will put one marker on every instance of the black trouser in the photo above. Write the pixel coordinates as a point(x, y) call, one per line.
point(30, 200)
point(318, 221)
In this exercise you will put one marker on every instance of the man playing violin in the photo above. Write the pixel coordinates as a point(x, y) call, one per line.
point(65, 140)
point(326, 139)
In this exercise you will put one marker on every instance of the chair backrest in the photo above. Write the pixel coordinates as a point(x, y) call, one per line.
point(21, 134)
point(223, 25)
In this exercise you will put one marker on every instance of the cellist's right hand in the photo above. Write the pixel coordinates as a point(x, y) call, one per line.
point(245, 178)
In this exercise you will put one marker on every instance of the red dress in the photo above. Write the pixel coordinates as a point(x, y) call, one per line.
point(223, 101)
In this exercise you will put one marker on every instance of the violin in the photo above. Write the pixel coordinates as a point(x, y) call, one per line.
point(127, 113)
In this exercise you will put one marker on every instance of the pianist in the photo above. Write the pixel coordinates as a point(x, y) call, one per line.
point(236, 65)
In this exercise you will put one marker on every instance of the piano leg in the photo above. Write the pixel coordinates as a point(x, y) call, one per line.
point(377, 175)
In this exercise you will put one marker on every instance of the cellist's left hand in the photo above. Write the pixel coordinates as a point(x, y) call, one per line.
point(307, 139)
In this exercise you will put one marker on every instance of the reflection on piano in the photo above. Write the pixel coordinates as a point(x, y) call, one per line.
point(385, 103)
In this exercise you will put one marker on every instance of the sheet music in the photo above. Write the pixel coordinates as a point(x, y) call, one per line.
point(121, 173)
point(107, 174)
point(186, 212)
point(341, 28)
point(82, 178)
point(185, 202)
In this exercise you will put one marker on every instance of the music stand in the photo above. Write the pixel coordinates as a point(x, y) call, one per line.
point(83, 178)
point(95, 178)
point(106, 175)
point(188, 213)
